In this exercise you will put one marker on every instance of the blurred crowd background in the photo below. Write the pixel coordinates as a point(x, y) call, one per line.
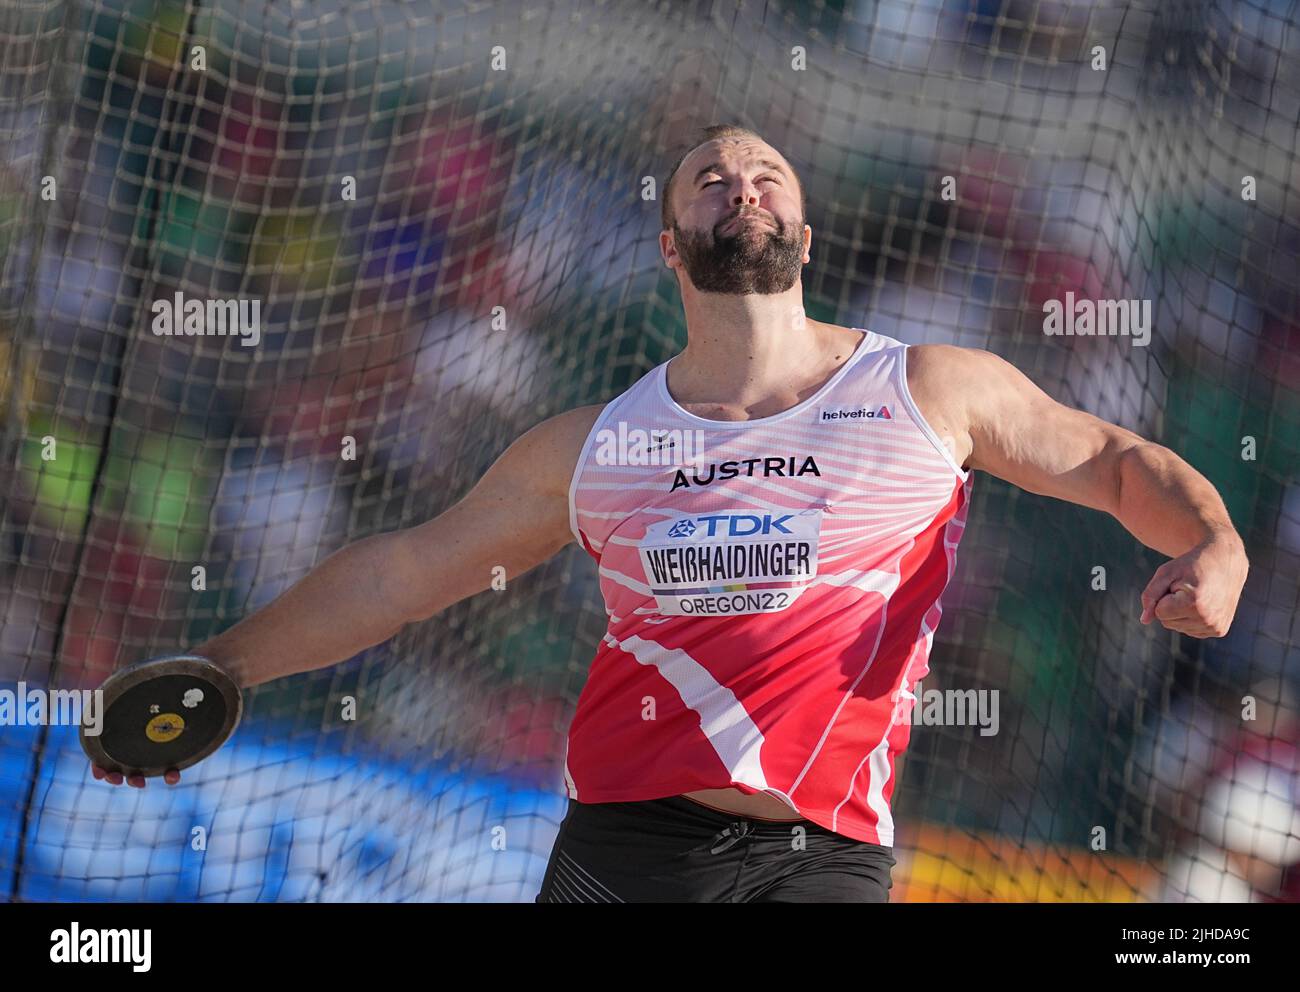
point(513, 178)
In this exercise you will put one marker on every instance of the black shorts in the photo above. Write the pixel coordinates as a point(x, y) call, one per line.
point(678, 850)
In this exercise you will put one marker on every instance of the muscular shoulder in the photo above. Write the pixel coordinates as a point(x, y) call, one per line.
point(1010, 426)
point(949, 384)
point(565, 433)
point(931, 364)
point(961, 379)
point(544, 457)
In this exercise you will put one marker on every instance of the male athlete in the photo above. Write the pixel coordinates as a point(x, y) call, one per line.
point(771, 603)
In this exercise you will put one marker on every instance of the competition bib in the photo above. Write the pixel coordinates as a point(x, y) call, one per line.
point(727, 563)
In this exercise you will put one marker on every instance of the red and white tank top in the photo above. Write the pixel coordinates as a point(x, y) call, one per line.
point(772, 588)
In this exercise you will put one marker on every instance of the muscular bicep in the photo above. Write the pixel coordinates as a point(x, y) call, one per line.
point(1020, 434)
point(514, 518)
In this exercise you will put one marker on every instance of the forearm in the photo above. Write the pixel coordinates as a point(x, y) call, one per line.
point(335, 611)
point(1166, 504)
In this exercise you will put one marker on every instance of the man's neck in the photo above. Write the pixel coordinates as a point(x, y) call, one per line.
point(740, 348)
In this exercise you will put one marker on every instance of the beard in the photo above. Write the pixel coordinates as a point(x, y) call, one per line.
point(752, 258)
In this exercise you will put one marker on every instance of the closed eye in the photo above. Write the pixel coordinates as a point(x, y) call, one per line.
point(770, 179)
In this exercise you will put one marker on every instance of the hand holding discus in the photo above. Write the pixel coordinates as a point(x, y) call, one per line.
point(161, 716)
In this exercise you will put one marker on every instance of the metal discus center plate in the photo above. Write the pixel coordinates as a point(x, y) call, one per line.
point(163, 713)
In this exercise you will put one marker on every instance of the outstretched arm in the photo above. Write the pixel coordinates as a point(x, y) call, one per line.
point(1012, 429)
point(516, 517)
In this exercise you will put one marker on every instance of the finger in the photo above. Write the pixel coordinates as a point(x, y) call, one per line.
point(1174, 614)
point(1178, 605)
point(1163, 578)
point(1191, 629)
point(114, 778)
point(171, 776)
point(136, 781)
point(98, 772)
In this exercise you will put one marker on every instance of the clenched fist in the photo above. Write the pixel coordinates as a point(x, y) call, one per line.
point(1197, 593)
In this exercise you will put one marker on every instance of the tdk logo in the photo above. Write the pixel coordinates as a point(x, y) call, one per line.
point(830, 413)
point(731, 525)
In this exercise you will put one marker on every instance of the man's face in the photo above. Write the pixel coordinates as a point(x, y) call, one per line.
point(738, 226)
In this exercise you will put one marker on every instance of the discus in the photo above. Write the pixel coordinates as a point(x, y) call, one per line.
point(163, 713)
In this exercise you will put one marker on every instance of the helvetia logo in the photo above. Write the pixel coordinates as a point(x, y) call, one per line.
point(836, 414)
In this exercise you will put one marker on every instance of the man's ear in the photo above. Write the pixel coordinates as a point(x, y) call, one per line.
point(807, 244)
point(668, 248)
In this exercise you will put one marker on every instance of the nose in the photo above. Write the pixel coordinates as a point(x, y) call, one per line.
point(746, 193)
